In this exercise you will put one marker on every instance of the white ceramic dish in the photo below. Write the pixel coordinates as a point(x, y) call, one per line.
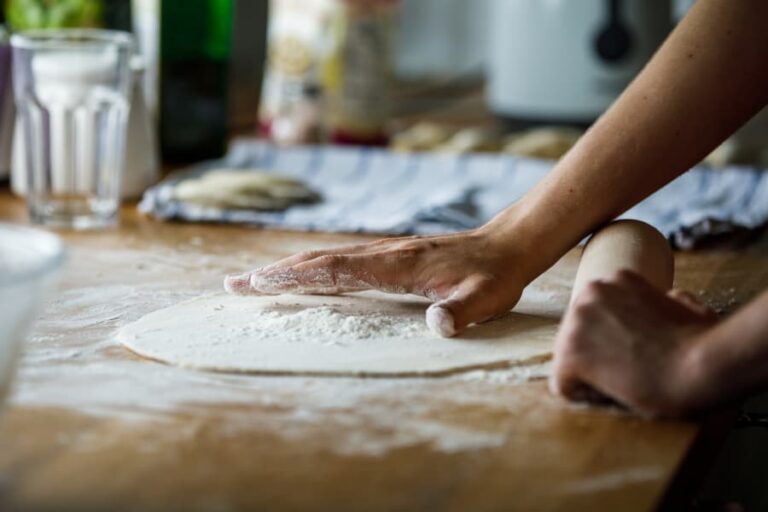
point(29, 261)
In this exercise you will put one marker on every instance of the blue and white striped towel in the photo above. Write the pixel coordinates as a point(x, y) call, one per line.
point(377, 191)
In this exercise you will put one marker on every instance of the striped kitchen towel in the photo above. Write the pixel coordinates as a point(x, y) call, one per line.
point(377, 191)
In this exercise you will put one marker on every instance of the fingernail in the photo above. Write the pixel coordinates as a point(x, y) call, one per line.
point(238, 284)
point(440, 321)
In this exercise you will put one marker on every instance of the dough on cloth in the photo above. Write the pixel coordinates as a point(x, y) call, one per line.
point(547, 142)
point(244, 189)
point(367, 334)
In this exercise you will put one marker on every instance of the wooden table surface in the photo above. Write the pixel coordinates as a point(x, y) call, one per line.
point(92, 427)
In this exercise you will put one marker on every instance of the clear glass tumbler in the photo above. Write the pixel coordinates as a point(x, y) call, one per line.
point(72, 94)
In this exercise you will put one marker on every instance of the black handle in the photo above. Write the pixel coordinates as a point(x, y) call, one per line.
point(613, 42)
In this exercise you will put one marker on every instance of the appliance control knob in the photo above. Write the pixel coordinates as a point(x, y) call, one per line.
point(614, 41)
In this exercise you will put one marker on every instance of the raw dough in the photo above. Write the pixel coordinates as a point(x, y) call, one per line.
point(548, 143)
point(244, 189)
point(371, 333)
point(471, 140)
point(423, 136)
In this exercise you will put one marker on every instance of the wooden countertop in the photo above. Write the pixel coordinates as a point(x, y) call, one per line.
point(92, 427)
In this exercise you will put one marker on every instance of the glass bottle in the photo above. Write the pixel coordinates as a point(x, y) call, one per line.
point(195, 43)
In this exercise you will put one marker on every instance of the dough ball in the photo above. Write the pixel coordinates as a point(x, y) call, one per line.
point(472, 140)
point(547, 143)
point(245, 190)
point(423, 136)
point(736, 152)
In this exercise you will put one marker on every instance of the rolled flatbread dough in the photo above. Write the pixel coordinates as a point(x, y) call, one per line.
point(244, 189)
point(371, 334)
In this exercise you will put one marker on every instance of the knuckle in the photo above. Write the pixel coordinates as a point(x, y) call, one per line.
point(308, 254)
point(480, 283)
point(624, 276)
point(405, 254)
point(583, 309)
point(596, 288)
point(381, 241)
point(417, 244)
point(332, 261)
point(593, 292)
point(411, 248)
point(397, 241)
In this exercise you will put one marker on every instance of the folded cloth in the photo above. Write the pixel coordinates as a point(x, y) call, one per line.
point(377, 191)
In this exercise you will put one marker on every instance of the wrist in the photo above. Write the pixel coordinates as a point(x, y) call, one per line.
point(693, 389)
point(527, 238)
point(514, 244)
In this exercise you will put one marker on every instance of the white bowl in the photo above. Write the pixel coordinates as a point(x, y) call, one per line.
point(29, 261)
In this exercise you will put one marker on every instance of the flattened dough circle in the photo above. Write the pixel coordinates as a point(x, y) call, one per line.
point(213, 333)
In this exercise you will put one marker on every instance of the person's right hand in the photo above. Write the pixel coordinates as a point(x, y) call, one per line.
point(469, 276)
point(626, 340)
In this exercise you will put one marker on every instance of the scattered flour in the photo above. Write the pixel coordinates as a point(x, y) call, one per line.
point(514, 375)
point(72, 363)
point(325, 324)
point(616, 480)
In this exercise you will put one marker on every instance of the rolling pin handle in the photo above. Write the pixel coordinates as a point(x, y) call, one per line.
point(626, 245)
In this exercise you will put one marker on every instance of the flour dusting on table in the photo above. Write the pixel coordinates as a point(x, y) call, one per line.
point(72, 363)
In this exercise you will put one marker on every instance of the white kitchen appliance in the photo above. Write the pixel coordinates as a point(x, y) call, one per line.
point(565, 61)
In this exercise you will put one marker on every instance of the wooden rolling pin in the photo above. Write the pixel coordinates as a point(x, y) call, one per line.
point(630, 245)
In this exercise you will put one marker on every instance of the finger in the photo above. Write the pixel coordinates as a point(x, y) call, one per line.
point(240, 284)
point(332, 274)
point(685, 298)
point(364, 248)
point(691, 302)
point(571, 361)
point(473, 301)
point(564, 379)
point(576, 391)
point(252, 283)
point(304, 256)
point(572, 383)
point(686, 303)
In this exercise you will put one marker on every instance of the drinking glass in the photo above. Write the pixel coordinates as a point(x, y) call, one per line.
point(72, 94)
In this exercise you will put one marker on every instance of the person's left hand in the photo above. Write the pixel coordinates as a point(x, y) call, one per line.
point(628, 341)
point(470, 276)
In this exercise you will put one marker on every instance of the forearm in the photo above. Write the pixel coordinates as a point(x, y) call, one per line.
point(705, 81)
point(730, 360)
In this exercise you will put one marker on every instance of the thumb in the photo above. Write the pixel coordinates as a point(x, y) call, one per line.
point(471, 302)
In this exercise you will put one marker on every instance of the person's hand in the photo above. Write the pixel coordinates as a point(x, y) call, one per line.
point(625, 340)
point(469, 277)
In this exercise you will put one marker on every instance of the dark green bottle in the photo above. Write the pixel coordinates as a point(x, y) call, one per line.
point(195, 43)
